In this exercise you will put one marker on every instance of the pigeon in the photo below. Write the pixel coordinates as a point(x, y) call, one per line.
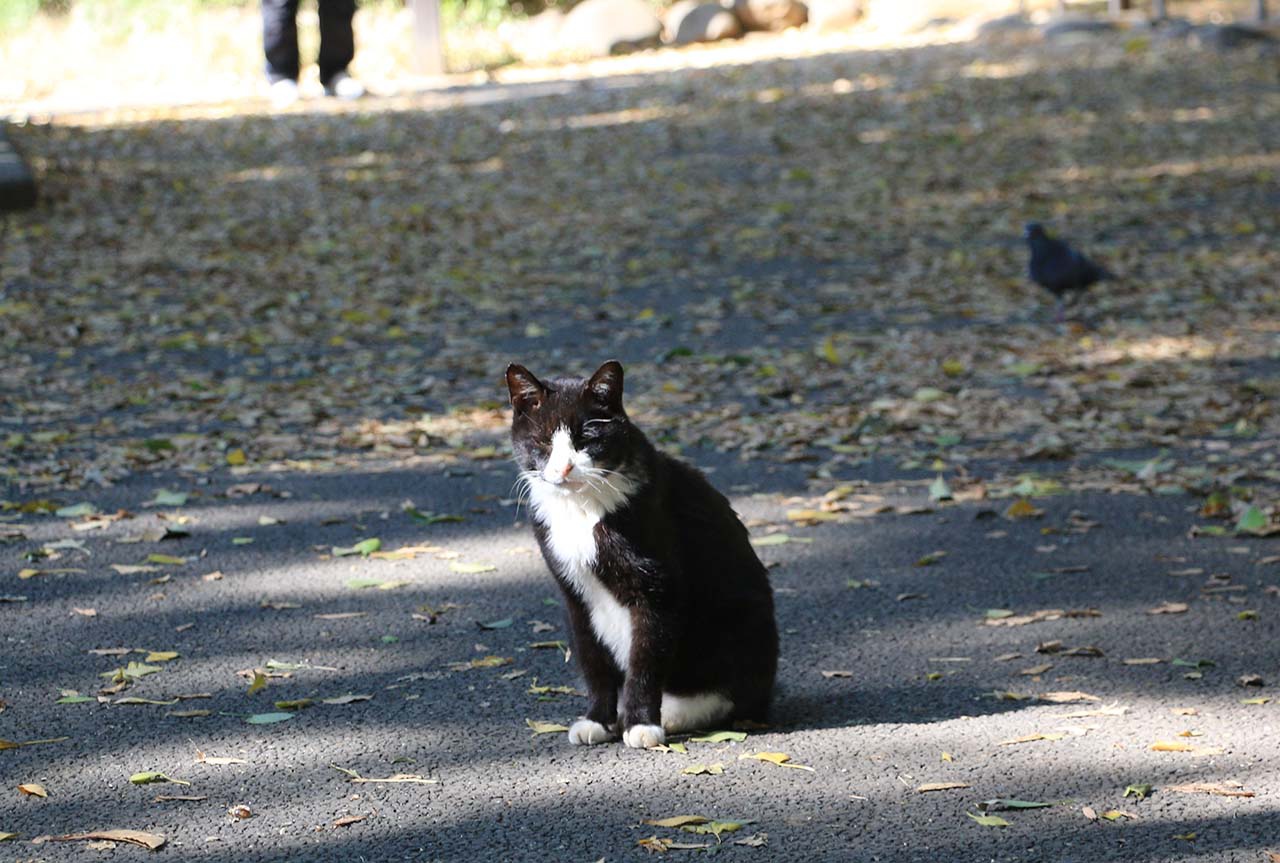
point(1058, 268)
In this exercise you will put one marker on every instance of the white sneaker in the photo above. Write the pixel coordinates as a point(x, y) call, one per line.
point(343, 86)
point(283, 93)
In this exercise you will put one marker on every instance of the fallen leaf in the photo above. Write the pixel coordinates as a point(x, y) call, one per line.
point(146, 777)
point(1036, 669)
point(1140, 790)
point(704, 769)
point(471, 568)
point(678, 821)
point(831, 674)
point(1067, 697)
point(1031, 738)
point(172, 798)
point(988, 820)
point(268, 718)
point(33, 789)
point(720, 737)
point(1117, 814)
point(150, 841)
point(201, 758)
point(1169, 608)
point(348, 820)
point(1003, 803)
point(779, 758)
point(940, 786)
point(349, 698)
point(364, 548)
point(505, 623)
point(540, 727)
point(1022, 508)
point(1224, 789)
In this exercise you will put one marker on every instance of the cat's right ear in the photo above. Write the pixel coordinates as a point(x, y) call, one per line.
point(527, 392)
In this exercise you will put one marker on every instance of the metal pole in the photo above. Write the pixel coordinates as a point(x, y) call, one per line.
point(428, 44)
point(1260, 9)
point(1158, 10)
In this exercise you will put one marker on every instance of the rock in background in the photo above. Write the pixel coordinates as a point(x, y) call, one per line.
point(536, 40)
point(828, 15)
point(598, 28)
point(690, 21)
point(770, 14)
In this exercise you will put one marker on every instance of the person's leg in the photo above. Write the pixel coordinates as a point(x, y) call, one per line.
point(337, 42)
point(280, 39)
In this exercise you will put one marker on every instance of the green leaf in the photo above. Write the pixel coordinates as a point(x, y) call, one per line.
point(1139, 791)
point(296, 704)
point(268, 718)
point(939, 490)
point(1009, 803)
point(929, 394)
point(364, 548)
point(704, 769)
point(720, 737)
point(505, 623)
point(166, 559)
point(242, 540)
point(471, 568)
point(988, 820)
point(148, 776)
point(715, 828)
point(76, 510)
point(998, 613)
point(432, 517)
point(379, 583)
point(1252, 520)
point(74, 699)
point(164, 497)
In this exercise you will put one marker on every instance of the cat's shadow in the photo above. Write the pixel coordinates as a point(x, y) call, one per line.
point(795, 709)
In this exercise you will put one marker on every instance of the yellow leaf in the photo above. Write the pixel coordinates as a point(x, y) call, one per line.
point(1022, 508)
point(545, 727)
point(33, 789)
point(810, 516)
point(236, 457)
point(678, 820)
point(161, 656)
point(781, 759)
point(259, 681)
point(940, 786)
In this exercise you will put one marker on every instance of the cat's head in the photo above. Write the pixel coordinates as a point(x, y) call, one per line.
point(572, 435)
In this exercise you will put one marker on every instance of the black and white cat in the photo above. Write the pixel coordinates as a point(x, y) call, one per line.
point(671, 610)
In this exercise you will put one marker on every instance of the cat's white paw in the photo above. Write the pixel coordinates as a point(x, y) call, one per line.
point(644, 736)
point(586, 732)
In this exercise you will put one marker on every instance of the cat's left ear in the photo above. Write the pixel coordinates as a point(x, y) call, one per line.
point(606, 385)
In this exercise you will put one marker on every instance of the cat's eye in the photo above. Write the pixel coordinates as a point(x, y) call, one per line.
point(595, 427)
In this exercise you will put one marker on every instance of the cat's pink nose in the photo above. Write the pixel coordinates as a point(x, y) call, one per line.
point(566, 470)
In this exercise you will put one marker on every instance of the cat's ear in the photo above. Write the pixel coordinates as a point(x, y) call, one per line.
point(606, 385)
point(527, 392)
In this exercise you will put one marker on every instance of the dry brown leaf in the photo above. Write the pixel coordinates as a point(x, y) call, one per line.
point(33, 789)
point(347, 820)
point(1224, 789)
point(1036, 669)
point(150, 841)
point(1145, 660)
point(1031, 738)
point(1169, 608)
point(941, 786)
point(1067, 697)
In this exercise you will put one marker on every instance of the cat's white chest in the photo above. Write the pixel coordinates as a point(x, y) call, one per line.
point(570, 520)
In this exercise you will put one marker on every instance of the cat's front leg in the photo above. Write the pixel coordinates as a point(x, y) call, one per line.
point(641, 717)
point(601, 675)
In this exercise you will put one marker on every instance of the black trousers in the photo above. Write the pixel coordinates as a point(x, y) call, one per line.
point(280, 38)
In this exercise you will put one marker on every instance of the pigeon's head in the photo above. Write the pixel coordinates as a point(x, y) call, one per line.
point(1033, 230)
